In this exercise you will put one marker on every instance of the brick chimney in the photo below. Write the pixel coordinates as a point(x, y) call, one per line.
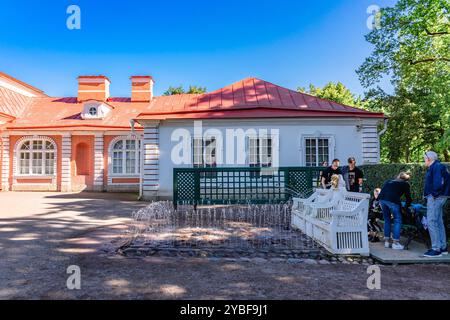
point(141, 88)
point(93, 87)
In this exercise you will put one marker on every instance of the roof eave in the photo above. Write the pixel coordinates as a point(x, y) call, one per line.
point(223, 116)
point(282, 111)
point(7, 116)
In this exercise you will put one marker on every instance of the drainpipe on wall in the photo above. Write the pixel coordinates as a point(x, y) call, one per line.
point(384, 128)
point(141, 175)
point(141, 165)
point(383, 131)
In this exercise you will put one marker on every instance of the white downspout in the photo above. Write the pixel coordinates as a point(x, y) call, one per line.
point(141, 164)
point(141, 175)
point(383, 131)
point(384, 128)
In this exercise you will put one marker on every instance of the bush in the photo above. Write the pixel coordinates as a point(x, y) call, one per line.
point(376, 175)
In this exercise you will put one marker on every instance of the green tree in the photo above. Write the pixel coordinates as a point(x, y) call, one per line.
point(196, 89)
point(411, 49)
point(337, 92)
point(174, 90)
point(180, 90)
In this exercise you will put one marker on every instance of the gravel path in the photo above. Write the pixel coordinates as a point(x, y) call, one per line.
point(41, 234)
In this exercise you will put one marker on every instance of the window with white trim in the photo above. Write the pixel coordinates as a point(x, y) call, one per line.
point(204, 152)
point(260, 152)
point(125, 156)
point(317, 151)
point(36, 157)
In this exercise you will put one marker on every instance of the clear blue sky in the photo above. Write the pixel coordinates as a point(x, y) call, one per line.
point(210, 43)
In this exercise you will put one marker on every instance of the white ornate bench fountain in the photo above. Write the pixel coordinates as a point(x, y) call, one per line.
point(335, 218)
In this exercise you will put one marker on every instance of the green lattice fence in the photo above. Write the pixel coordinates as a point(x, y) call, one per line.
point(242, 185)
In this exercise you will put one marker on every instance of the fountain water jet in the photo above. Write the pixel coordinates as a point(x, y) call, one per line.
point(255, 227)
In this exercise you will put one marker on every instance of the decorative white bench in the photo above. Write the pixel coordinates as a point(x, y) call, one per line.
point(335, 218)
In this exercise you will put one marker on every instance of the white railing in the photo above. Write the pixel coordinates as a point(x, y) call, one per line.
point(337, 219)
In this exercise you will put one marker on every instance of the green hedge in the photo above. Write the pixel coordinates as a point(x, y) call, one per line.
point(376, 175)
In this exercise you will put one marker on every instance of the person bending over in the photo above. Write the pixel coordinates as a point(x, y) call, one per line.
point(390, 201)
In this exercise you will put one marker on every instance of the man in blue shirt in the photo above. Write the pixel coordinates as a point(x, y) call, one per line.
point(436, 191)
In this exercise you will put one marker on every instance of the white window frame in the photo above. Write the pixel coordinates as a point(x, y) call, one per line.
point(317, 137)
point(31, 151)
point(259, 155)
point(137, 150)
point(204, 156)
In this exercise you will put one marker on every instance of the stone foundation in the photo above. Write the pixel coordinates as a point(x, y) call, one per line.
point(122, 188)
point(291, 256)
point(34, 187)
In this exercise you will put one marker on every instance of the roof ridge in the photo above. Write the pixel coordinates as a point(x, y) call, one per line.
point(304, 93)
point(269, 94)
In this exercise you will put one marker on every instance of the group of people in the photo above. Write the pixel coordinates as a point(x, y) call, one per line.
point(388, 201)
point(353, 176)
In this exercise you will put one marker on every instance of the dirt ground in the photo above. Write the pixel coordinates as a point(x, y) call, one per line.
point(41, 234)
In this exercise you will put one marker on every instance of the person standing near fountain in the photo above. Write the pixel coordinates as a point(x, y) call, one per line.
point(329, 172)
point(353, 176)
point(436, 191)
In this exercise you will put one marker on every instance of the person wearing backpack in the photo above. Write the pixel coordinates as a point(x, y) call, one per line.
point(436, 191)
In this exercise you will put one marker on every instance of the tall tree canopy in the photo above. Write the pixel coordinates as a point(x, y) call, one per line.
point(411, 48)
point(196, 89)
point(173, 91)
point(334, 91)
point(180, 90)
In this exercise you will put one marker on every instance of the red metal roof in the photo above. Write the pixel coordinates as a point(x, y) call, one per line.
point(249, 98)
point(48, 113)
point(13, 103)
point(253, 113)
point(23, 84)
point(6, 116)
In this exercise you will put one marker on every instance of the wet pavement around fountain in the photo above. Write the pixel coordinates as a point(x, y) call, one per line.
point(41, 234)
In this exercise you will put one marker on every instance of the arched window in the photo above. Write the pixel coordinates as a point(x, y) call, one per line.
point(125, 156)
point(36, 157)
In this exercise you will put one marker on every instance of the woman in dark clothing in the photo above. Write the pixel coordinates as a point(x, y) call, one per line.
point(390, 201)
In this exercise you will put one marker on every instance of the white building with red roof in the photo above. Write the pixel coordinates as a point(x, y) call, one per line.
point(102, 143)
